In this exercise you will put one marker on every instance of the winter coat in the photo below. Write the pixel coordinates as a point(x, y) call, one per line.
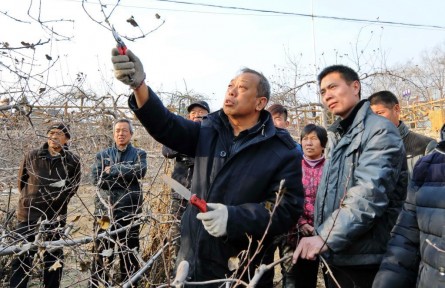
point(362, 189)
point(311, 179)
point(416, 146)
point(120, 188)
point(242, 172)
point(46, 184)
point(415, 256)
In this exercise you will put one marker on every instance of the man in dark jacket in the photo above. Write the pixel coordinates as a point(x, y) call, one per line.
point(48, 178)
point(240, 160)
point(183, 170)
point(117, 172)
point(386, 104)
point(415, 256)
point(363, 184)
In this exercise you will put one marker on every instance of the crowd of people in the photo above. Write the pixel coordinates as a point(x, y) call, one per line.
point(363, 194)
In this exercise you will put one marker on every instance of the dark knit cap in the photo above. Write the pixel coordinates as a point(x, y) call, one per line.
point(61, 126)
point(200, 103)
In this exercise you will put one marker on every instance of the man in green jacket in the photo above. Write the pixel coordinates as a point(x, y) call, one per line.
point(48, 178)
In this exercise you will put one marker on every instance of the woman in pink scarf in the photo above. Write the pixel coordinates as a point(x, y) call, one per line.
point(304, 272)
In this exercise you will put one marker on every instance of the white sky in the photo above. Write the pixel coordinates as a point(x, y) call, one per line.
point(204, 47)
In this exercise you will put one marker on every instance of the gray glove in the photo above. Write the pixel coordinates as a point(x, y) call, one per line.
point(215, 220)
point(128, 68)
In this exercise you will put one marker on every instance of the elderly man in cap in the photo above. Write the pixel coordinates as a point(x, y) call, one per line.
point(183, 170)
point(48, 178)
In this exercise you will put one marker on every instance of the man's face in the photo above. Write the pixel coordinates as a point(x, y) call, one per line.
point(279, 121)
point(392, 114)
point(197, 113)
point(122, 135)
point(56, 139)
point(241, 98)
point(339, 96)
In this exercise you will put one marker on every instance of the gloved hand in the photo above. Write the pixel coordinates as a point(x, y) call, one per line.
point(215, 220)
point(128, 68)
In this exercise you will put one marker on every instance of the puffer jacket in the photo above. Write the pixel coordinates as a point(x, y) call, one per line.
point(416, 251)
point(416, 146)
point(362, 189)
point(121, 187)
point(46, 184)
point(242, 173)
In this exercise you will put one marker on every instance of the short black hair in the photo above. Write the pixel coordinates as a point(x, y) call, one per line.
point(263, 86)
point(386, 98)
point(320, 131)
point(347, 73)
point(278, 109)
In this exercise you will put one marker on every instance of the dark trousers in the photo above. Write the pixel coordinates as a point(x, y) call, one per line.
point(302, 275)
point(351, 276)
point(126, 241)
point(22, 265)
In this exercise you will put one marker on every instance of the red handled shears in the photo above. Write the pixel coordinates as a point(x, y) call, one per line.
point(120, 43)
point(184, 192)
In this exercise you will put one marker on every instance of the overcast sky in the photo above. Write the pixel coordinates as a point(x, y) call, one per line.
point(203, 47)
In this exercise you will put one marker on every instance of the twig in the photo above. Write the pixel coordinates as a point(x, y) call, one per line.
point(259, 247)
point(329, 271)
point(138, 275)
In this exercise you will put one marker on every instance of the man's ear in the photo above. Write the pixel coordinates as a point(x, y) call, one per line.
point(356, 85)
point(261, 103)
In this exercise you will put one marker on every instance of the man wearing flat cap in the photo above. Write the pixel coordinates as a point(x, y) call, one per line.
point(183, 170)
point(48, 177)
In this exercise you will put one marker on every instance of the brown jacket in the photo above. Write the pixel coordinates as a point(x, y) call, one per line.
point(46, 184)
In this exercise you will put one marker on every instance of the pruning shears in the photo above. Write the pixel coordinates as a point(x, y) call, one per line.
point(120, 43)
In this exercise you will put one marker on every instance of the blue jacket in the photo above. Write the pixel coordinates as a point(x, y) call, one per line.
point(416, 256)
point(243, 173)
point(121, 185)
point(362, 189)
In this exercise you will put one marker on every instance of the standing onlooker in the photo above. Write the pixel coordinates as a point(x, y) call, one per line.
point(117, 172)
point(415, 256)
point(386, 104)
point(48, 178)
point(304, 272)
point(279, 116)
point(362, 188)
point(183, 170)
point(240, 161)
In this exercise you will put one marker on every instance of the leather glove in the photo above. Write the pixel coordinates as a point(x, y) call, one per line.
point(215, 220)
point(128, 68)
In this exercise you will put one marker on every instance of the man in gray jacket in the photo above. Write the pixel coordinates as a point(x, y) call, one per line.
point(363, 185)
point(385, 103)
